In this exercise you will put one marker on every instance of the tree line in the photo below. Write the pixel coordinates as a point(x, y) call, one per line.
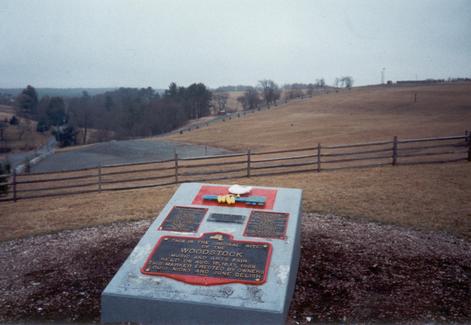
point(122, 113)
point(268, 92)
point(133, 112)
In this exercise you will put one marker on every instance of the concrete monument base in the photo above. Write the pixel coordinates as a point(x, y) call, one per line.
point(203, 262)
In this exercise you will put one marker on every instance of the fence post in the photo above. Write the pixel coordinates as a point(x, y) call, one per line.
point(394, 149)
point(248, 163)
point(469, 145)
point(14, 184)
point(318, 157)
point(176, 168)
point(99, 177)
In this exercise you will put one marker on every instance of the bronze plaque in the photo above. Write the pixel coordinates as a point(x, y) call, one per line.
point(267, 224)
point(213, 258)
point(183, 219)
point(227, 218)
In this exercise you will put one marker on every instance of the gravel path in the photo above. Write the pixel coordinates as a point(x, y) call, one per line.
point(350, 271)
point(120, 152)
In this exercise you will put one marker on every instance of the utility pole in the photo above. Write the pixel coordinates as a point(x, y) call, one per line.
point(382, 75)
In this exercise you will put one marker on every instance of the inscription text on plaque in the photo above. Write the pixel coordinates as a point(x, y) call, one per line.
point(183, 219)
point(267, 224)
point(213, 258)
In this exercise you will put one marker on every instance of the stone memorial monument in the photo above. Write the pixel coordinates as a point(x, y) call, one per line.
point(212, 257)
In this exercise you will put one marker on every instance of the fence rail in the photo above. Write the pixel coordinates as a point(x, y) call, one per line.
point(259, 163)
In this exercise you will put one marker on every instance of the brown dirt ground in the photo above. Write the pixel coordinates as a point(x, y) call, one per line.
point(349, 271)
point(359, 115)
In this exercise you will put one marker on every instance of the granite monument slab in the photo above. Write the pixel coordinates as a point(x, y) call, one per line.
point(211, 261)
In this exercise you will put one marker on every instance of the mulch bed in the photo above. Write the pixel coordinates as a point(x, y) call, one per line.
point(350, 271)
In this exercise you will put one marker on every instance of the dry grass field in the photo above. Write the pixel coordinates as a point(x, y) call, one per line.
point(425, 197)
point(23, 136)
point(6, 111)
point(359, 115)
point(432, 197)
point(232, 104)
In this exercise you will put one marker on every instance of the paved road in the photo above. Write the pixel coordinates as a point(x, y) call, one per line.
point(125, 151)
point(18, 158)
point(118, 152)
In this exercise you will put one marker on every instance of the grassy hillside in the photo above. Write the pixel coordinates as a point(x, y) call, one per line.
point(361, 114)
point(431, 197)
point(22, 136)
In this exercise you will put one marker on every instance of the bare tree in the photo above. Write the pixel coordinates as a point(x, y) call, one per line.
point(242, 102)
point(221, 101)
point(250, 99)
point(337, 82)
point(25, 132)
point(86, 114)
point(310, 89)
point(347, 81)
point(81, 114)
point(293, 92)
point(270, 91)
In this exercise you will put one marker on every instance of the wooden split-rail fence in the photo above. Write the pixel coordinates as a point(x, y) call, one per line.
point(230, 166)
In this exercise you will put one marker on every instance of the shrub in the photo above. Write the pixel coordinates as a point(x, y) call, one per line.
point(14, 120)
point(4, 169)
point(66, 136)
point(42, 126)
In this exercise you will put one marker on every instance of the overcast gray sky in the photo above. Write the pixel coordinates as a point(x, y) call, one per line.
point(58, 43)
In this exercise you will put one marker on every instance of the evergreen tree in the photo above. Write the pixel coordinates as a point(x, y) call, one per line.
point(27, 101)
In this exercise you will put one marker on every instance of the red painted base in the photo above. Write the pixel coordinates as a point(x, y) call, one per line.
point(270, 196)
